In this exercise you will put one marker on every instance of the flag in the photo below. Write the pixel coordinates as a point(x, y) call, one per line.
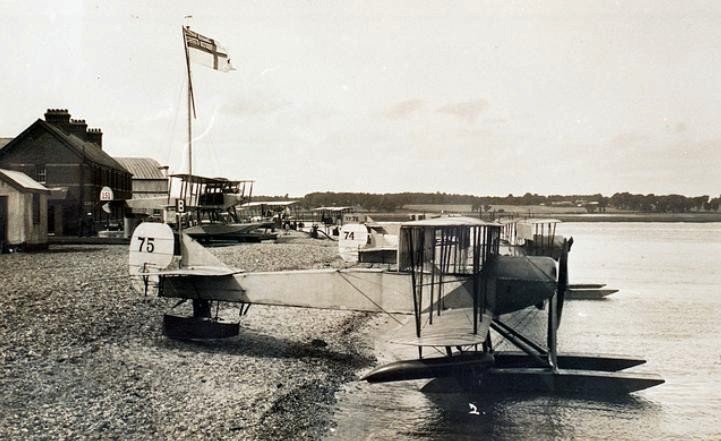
point(206, 51)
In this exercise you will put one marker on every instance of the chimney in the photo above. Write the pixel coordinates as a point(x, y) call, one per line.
point(78, 128)
point(164, 170)
point(60, 118)
point(95, 136)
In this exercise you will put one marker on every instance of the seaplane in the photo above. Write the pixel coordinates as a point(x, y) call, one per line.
point(208, 209)
point(449, 278)
point(373, 242)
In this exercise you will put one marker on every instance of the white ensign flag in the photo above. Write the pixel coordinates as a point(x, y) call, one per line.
point(206, 51)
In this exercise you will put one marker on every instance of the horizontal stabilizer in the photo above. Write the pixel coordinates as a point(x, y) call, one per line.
point(193, 285)
point(200, 271)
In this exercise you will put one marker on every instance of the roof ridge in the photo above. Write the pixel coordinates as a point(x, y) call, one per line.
point(98, 155)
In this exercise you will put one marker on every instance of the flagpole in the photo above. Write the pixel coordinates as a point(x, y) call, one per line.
point(191, 104)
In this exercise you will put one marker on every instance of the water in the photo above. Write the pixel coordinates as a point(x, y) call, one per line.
point(668, 311)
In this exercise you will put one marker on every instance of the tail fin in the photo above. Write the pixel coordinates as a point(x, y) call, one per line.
point(195, 255)
point(151, 249)
point(352, 237)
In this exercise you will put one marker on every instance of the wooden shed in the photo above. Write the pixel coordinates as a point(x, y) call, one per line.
point(23, 212)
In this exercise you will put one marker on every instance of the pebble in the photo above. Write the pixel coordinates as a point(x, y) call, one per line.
point(83, 354)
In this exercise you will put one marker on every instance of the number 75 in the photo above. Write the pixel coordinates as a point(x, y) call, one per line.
point(148, 242)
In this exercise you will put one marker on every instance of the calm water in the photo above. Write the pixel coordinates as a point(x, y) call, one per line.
point(668, 311)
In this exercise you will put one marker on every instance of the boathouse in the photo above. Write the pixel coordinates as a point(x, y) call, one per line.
point(68, 158)
point(23, 212)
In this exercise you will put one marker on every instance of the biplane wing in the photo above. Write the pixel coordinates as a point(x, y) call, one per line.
point(452, 328)
point(268, 204)
point(148, 205)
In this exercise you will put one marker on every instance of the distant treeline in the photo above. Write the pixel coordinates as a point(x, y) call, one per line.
point(672, 203)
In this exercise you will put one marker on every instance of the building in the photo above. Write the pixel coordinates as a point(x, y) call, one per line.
point(150, 179)
point(68, 158)
point(23, 212)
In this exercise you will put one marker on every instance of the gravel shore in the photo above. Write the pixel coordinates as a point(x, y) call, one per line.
point(83, 355)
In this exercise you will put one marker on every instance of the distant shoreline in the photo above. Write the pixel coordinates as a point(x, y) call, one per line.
point(579, 217)
point(636, 217)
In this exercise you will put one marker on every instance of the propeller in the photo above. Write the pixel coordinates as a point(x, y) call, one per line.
point(555, 303)
point(562, 284)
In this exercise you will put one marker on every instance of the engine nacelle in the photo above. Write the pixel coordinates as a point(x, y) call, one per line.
point(517, 282)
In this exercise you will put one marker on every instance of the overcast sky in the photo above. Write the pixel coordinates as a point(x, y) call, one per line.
point(465, 97)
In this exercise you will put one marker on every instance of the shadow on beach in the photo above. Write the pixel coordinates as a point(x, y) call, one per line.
point(254, 344)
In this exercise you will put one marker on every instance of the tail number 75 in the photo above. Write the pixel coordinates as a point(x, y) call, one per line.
point(148, 242)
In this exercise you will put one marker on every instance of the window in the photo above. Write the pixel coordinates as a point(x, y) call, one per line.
point(40, 174)
point(36, 208)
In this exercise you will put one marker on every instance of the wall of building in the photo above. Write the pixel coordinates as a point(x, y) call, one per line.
point(149, 186)
point(20, 227)
point(36, 234)
point(63, 167)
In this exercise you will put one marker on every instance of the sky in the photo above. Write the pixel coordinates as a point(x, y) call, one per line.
point(477, 97)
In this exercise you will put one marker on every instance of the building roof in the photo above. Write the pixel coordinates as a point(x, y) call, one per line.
point(89, 150)
point(85, 148)
point(142, 168)
point(4, 141)
point(21, 181)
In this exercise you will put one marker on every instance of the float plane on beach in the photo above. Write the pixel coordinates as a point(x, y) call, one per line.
point(449, 276)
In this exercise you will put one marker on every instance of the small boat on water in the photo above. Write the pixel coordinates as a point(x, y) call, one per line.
point(587, 285)
point(575, 293)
